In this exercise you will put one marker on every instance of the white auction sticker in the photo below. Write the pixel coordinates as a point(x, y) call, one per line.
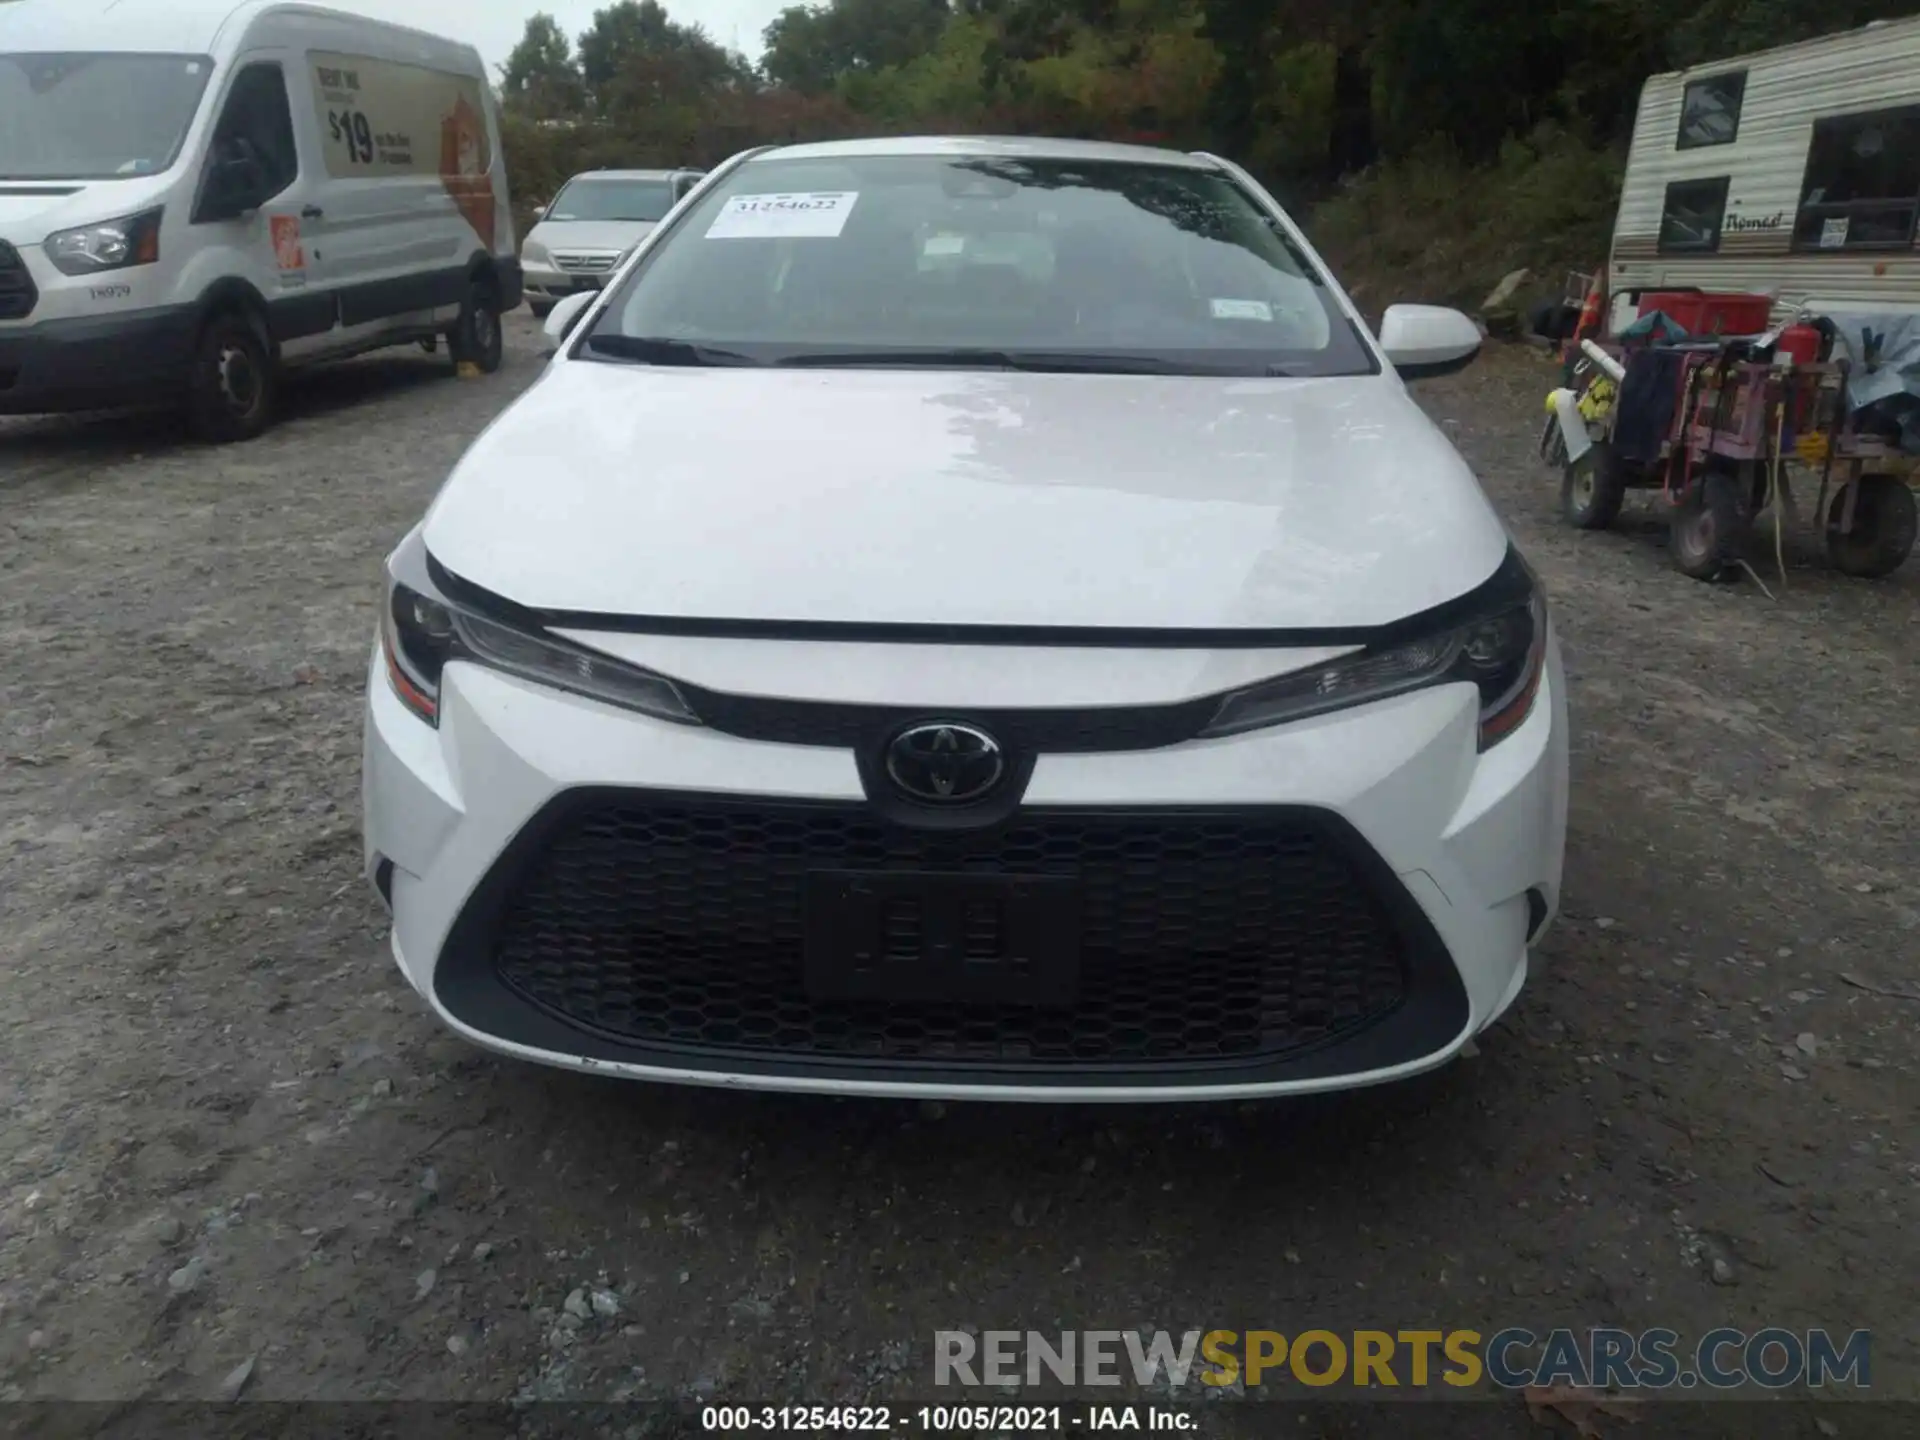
point(806, 214)
point(1242, 310)
point(944, 245)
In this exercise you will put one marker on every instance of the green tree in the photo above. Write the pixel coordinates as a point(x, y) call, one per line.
point(540, 77)
point(808, 47)
point(633, 51)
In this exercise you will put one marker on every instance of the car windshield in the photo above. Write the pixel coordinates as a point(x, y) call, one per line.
point(93, 117)
point(996, 262)
point(645, 200)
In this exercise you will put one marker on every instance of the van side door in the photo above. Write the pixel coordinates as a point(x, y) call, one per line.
point(255, 207)
point(407, 155)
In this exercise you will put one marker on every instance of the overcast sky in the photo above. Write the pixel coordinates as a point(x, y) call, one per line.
point(495, 26)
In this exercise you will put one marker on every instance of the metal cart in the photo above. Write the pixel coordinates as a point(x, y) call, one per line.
point(1740, 432)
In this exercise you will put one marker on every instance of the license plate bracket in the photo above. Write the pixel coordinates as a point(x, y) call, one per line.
point(950, 938)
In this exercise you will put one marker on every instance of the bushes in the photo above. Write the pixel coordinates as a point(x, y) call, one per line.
point(1433, 229)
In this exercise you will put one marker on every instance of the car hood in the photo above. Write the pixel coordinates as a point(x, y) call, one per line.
point(966, 498)
point(589, 234)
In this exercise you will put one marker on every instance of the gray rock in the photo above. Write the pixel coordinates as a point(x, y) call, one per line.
point(576, 1305)
point(1502, 294)
point(37, 1340)
point(605, 1304)
point(483, 1251)
point(187, 1278)
point(423, 1284)
point(456, 1345)
point(1807, 1043)
point(1723, 1272)
point(237, 1378)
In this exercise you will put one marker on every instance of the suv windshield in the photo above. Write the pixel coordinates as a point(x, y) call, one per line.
point(92, 117)
point(645, 200)
point(988, 261)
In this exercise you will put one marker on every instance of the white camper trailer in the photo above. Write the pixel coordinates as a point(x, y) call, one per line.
point(1794, 172)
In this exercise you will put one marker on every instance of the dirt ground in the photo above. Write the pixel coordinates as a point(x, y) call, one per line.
point(231, 1133)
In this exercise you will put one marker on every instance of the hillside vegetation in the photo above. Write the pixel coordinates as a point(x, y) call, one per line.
point(1435, 144)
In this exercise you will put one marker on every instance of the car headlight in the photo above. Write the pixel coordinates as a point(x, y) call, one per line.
point(110, 245)
point(1495, 640)
point(534, 253)
point(421, 632)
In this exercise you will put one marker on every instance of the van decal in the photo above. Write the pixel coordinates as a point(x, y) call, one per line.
point(464, 171)
point(288, 254)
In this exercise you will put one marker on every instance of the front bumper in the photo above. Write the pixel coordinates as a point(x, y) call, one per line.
point(1462, 850)
point(137, 357)
point(545, 280)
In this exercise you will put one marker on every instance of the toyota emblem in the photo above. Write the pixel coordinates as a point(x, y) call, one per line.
point(945, 763)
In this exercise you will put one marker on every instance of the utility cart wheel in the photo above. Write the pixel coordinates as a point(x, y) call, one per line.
point(1706, 527)
point(1593, 490)
point(1884, 524)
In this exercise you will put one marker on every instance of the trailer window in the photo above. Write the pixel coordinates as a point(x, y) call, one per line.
point(1690, 220)
point(1862, 188)
point(1710, 110)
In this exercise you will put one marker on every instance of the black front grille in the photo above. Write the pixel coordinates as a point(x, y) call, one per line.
point(1046, 731)
point(17, 293)
point(1207, 939)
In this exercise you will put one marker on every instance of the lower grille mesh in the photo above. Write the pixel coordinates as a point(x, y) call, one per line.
point(1205, 938)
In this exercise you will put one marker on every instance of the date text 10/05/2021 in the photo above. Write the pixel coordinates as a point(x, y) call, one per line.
point(887, 1420)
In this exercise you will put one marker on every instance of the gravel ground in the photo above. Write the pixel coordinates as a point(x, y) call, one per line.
point(232, 1134)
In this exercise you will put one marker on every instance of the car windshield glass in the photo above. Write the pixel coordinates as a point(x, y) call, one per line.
point(92, 117)
point(612, 200)
point(989, 261)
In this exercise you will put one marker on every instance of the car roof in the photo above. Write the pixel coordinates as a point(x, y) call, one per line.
point(161, 27)
point(634, 174)
point(1007, 146)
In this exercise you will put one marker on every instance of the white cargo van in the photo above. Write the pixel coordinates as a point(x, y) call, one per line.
point(196, 195)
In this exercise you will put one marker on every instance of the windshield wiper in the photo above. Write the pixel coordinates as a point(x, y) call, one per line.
point(661, 350)
point(1061, 362)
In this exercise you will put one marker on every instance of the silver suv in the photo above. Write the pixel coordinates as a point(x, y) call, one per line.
point(597, 217)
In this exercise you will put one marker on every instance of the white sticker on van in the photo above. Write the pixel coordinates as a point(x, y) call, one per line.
point(1833, 234)
point(802, 215)
point(1243, 310)
point(944, 245)
point(382, 119)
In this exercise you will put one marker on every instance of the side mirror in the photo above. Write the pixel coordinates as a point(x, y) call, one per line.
point(539, 213)
point(1423, 341)
point(235, 186)
point(565, 315)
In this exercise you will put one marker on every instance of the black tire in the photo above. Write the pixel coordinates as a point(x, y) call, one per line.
point(1592, 492)
point(476, 338)
point(1706, 527)
point(232, 383)
point(1885, 520)
point(541, 308)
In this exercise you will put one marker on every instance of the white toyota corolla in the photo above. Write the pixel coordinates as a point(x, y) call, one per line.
point(970, 618)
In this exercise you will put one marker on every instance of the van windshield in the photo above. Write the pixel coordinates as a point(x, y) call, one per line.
point(95, 117)
point(646, 200)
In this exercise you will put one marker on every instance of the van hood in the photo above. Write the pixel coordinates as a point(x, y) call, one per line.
point(966, 498)
point(31, 210)
point(589, 234)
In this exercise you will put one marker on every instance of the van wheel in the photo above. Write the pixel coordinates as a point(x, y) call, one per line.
point(230, 390)
point(541, 308)
point(476, 337)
